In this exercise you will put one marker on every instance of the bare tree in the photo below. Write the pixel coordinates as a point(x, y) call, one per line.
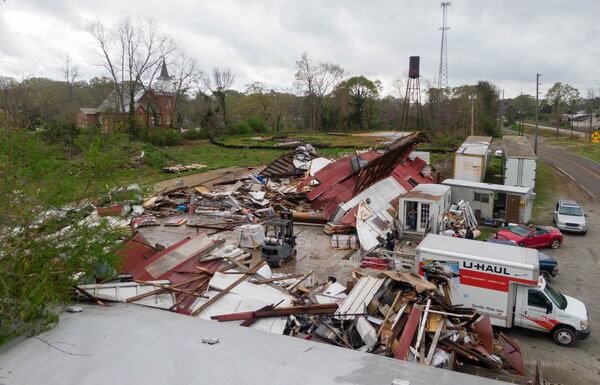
point(315, 81)
point(218, 83)
point(186, 78)
point(131, 53)
point(70, 75)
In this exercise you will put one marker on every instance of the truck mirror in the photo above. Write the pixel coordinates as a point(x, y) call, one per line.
point(548, 308)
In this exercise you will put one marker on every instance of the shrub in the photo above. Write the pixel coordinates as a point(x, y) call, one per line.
point(161, 137)
point(195, 134)
point(241, 128)
point(257, 124)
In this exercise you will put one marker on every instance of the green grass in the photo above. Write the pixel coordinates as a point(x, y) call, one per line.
point(580, 146)
point(493, 173)
point(338, 140)
point(545, 193)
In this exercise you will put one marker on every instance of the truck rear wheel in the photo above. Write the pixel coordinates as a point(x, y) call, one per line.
point(563, 336)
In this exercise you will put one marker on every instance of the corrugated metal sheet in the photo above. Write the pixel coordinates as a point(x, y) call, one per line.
point(177, 256)
point(360, 296)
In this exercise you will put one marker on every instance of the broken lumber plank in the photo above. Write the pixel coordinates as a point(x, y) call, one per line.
point(326, 308)
point(408, 333)
point(161, 290)
point(88, 295)
point(390, 311)
point(263, 281)
point(227, 289)
point(436, 338)
point(301, 280)
point(171, 288)
point(422, 326)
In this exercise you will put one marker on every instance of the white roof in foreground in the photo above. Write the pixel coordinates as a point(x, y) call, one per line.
point(480, 250)
point(131, 344)
point(475, 145)
point(487, 186)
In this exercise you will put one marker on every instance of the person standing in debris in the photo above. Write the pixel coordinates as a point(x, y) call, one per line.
point(412, 219)
point(449, 232)
point(469, 234)
point(389, 241)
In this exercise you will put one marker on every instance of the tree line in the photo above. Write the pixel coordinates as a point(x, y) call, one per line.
point(322, 97)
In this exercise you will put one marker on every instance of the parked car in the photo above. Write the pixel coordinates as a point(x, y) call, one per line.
point(548, 265)
point(568, 216)
point(537, 237)
point(498, 153)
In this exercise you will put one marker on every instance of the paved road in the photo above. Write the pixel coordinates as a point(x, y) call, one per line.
point(582, 170)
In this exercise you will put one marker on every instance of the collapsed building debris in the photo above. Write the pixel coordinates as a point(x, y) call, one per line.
point(384, 309)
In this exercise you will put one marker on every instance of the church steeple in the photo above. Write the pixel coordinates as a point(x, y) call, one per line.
point(164, 82)
point(164, 73)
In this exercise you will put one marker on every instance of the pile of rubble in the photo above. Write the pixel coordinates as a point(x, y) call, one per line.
point(391, 313)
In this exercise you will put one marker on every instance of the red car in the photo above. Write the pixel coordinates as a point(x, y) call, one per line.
point(536, 237)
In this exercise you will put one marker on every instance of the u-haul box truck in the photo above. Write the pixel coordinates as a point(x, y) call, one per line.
point(504, 282)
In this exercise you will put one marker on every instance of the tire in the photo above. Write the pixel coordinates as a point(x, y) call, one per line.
point(280, 263)
point(584, 233)
point(295, 253)
point(522, 244)
point(555, 243)
point(563, 336)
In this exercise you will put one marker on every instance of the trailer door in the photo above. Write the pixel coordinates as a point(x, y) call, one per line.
point(512, 208)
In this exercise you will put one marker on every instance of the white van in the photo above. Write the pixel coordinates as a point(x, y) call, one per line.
point(504, 282)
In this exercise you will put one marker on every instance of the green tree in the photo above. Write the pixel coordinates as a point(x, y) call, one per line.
point(356, 98)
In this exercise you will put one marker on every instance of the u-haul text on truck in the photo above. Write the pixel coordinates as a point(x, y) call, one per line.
point(504, 282)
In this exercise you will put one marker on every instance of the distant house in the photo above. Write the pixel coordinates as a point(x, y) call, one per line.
point(154, 107)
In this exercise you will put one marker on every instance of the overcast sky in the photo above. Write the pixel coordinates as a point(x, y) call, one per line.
point(505, 42)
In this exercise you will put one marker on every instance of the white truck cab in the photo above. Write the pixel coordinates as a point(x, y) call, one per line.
point(504, 282)
point(545, 309)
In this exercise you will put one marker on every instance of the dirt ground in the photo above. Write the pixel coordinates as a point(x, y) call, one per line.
point(579, 263)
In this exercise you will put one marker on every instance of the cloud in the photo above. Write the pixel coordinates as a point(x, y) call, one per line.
point(504, 42)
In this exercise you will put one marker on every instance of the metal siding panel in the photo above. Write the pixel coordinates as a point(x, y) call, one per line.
point(360, 296)
point(178, 256)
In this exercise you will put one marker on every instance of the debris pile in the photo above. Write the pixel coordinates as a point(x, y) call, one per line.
point(182, 168)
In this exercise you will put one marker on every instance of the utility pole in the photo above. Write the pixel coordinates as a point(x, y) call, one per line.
point(537, 107)
point(501, 112)
point(591, 118)
point(472, 98)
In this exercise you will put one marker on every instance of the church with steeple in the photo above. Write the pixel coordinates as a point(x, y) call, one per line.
point(154, 106)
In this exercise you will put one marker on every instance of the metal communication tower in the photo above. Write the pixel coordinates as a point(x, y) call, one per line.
point(443, 74)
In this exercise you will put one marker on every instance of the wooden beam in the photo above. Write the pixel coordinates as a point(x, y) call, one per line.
point(171, 288)
point(263, 281)
point(227, 289)
point(422, 327)
point(436, 338)
point(300, 281)
point(153, 292)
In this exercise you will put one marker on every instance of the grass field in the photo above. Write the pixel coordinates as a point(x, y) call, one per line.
point(544, 188)
point(325, 139)
point(580, 146)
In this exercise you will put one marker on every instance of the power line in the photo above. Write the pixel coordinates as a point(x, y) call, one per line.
point(443, 73)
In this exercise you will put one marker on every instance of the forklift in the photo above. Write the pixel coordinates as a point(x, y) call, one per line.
point(279, 245)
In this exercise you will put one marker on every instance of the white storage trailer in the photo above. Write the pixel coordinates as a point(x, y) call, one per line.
point(494, 202)
point(470, 160)
point(520, 162)
point(422, 208)
point(504, 282)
